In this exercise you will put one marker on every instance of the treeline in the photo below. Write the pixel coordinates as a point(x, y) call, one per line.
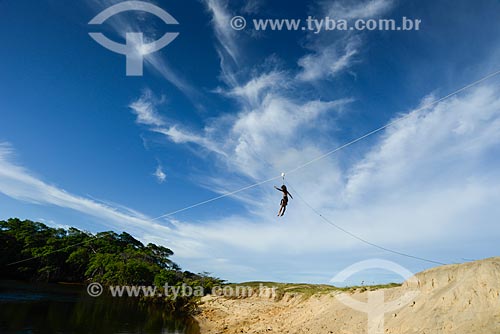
point(33, 251)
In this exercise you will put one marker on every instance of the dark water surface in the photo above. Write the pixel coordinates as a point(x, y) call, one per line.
point(54, 308)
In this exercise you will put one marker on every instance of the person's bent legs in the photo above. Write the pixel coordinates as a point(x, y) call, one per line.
point(284, 209)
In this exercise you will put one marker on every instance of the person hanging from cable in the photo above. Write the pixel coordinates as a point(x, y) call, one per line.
point(284, 200)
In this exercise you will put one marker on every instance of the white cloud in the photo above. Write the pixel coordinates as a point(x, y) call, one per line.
point(418, 189)
point(223, 31)
point(331, 55)
point(53, 224)
point(227, 46)
point(328, 61)
point(415, 190)
point(252, 6)
point(160, 174)
point(270, 131)
point(357, 9)
point(251, 92)
point(176, 135)
point(144, 109)
point(454, 135)
point(17, 182)
point(427, 184)
point(268, 123)
point(160, 64)
point(423, 186)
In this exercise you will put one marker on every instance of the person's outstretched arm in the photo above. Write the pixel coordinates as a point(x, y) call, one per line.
point(290, 195)
point(278, 189)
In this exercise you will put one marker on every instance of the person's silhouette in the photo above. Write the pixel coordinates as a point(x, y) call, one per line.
point(284, 200)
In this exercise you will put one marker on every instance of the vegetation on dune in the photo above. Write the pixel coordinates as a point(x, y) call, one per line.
point(307, 290)
point(33, 251)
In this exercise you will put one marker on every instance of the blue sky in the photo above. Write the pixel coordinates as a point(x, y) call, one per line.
point(82, 144)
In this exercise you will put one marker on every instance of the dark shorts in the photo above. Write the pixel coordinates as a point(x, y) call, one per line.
point(284, 201)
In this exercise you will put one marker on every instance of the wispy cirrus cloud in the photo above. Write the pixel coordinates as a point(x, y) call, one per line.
point(223, 31)
point(251, 93)
point(179, 136)
point(332, 55)
point(144, 109)
point(267, 123)
point(329, 60)
point(395, 194)
point(19, 183)
point(364, 9)
point(462, 129)
point(422, 182)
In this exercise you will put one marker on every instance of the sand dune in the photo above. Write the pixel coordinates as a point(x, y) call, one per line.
point(457, 299)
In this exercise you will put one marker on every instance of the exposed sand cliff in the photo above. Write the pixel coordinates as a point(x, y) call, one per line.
point(459, 299)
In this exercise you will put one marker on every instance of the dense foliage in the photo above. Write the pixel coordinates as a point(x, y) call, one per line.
point(33, 251)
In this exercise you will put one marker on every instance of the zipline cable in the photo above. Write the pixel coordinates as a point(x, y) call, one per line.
point(217, 198)
point(93, 238)
point(357, 237)
point(325, 155)
point(394, 122)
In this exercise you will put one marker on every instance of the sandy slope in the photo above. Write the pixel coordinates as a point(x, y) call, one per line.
point(455, 299)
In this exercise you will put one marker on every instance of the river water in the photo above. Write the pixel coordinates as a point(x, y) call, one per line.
point(60, 309)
